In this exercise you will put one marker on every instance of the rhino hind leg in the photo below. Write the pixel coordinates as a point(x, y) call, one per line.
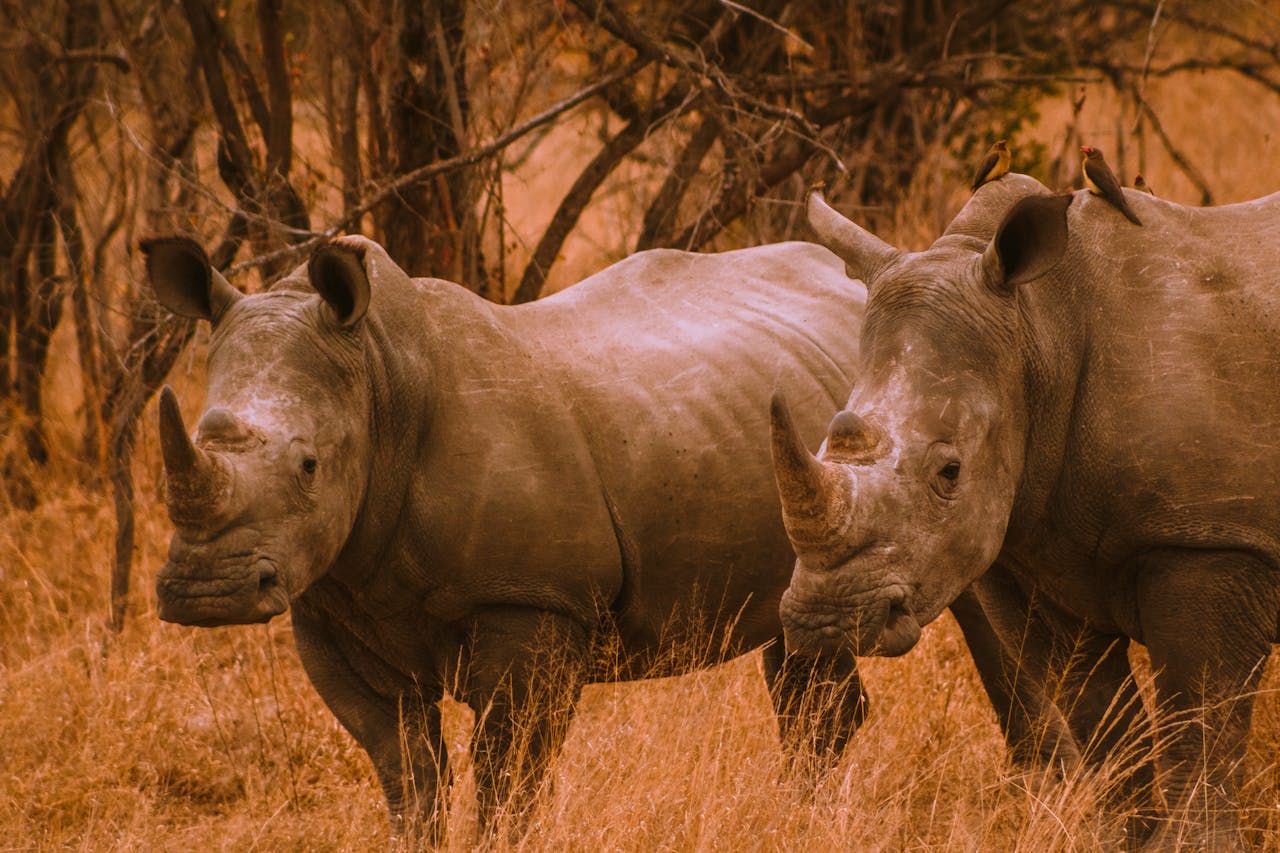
point(819, 702)
point(1208, 619)
point(524, 673)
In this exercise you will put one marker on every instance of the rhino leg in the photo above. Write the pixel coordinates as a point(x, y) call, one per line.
point(397, 723)
point(1091, 680)
point(1086, 675)
point(820, 702)
point(1034, 730)
point(1208, 619)
point(524, 673)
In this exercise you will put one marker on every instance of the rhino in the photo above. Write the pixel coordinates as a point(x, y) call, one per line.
point(1089, 409)
point(449, 494)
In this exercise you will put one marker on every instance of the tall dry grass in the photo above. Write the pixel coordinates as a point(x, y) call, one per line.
point(170, 738)
point(176, 738)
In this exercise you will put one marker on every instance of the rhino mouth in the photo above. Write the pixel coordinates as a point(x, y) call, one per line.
point(900, 634)
point(885, 627)
point(249, 595)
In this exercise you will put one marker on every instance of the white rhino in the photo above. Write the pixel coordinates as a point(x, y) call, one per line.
point(1092, 408)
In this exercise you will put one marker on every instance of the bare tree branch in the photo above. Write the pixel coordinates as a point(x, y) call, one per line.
point(279, 130)
point(588, 181)
point(619, 24)
point(663, 210)
point(1179, 158)
point(422, 173)
point(98, 56)
point(225, 45)
point(235, 159)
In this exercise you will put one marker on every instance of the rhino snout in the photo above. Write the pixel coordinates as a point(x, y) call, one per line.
point(877, 622)
point(220, 594)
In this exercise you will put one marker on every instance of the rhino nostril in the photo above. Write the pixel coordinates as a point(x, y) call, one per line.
point(897, 610)
point(267, 578)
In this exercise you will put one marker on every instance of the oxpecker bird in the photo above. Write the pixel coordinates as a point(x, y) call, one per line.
point(994, 165)
point(1101, 181)
point(1140, 184)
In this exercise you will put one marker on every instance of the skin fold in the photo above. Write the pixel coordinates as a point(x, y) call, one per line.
point(1091, 409)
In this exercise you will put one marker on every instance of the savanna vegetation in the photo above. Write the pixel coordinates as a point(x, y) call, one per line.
point(513, 148)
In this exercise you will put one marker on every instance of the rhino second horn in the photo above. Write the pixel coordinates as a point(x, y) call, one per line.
point(813, 506)
point(195, 479)
point(864, 254)
point(850, 439)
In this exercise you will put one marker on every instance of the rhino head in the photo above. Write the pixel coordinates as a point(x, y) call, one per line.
point(265, 495)
point(910, 497)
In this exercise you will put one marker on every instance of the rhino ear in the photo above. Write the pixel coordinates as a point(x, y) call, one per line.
point(1028, 242)
point(184, 281)
point(337, 273)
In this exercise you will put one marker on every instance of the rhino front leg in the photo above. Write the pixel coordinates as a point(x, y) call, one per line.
point(1208, 619)
point(820, 703)
point(1034, 730)
point(525, 671)
point(401, 732)
point(1086, 675)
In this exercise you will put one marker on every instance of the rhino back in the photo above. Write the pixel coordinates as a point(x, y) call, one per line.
point(1173, 434)
point(667, 361)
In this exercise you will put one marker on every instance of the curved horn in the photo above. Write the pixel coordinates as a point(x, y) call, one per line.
point(816, 497)
point(195, 480)
point(864, 254)
point(180, 455)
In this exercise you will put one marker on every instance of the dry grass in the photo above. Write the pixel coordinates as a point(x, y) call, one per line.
point(178, 738)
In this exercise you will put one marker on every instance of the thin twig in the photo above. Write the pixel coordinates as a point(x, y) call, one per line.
point(738, 7)
point(450, 79)
point(85, 55)
point(1179, 159)
point(1151, 46)
point(467, 158)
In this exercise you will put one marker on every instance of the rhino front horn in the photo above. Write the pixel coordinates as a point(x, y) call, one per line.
point(195, 480)
point(816, 497)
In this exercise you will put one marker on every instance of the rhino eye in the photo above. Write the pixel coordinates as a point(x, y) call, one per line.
point(950, 471)
point(309, 465)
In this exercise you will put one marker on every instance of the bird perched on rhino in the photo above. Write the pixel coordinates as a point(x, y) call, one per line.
point(994, 166)
point(1102, 181)
point(1140, 184)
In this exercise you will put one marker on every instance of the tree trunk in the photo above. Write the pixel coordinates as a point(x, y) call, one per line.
point(422, 228)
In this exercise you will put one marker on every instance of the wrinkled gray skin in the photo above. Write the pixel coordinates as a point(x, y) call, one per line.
point(436, 485)
point(1093, 408)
